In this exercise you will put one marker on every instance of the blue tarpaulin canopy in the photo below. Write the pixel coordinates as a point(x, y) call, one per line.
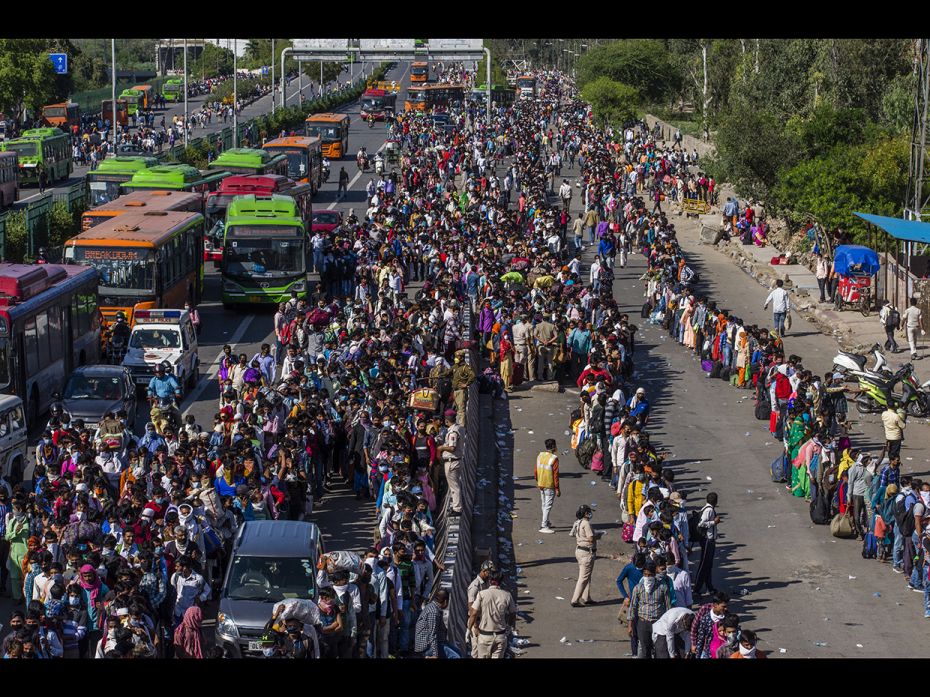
point(855, 260)
point(908, 230)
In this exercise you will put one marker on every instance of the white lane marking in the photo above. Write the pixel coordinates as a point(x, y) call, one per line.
point(205, 380)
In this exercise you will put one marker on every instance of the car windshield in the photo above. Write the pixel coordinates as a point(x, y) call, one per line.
point(271, 579)
point(85, 387)
point(326, 218)
point(155, 339)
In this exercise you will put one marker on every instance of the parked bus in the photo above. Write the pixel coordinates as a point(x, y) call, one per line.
point(249, 161)
point(142, 201)
point(122, 111)
point(502, 96)
point(174, 178)
point(259, 185)
point(264, 251)
point(419, 72)
point(173, 90)
point(9, 179)
point(391, 86)
point(65, 115)
point(526, 86)
point(145, 260)
point(148, 96)
point(378, 103)
point(104, 183)
point(333, 131)
point(49, 325)
point(49, 147)
point(304, 158)
point(429, 97)
point(133, 101)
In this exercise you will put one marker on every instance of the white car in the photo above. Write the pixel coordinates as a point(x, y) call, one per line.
point(163, 336)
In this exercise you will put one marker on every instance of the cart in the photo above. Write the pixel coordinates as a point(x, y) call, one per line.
point(855, 265)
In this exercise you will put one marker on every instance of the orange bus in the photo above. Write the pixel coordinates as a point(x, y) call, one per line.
point(122, 111)
point(145, 260)
point(147, 95)
point(428, 97)
point(419, 72)
point(142, 201)
point(304, 158)
point(332, 130)
point(64, 115)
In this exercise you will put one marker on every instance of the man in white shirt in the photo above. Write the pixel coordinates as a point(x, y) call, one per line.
point(671, 633)
point(781, 305)
point(912, 320)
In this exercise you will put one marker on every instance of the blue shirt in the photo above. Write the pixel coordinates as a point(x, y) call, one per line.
point(164, 387)
point(632, 575)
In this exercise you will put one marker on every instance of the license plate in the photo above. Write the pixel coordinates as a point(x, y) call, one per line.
point(255, 646)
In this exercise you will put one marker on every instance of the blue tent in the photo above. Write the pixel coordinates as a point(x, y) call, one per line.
point(855, 260)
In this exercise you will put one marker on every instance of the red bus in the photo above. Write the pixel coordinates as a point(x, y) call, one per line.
point(241, 185)
point(49, 324)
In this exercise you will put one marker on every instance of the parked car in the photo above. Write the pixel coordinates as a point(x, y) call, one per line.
point(326, 220)
point(271, 560)
point(94, 390)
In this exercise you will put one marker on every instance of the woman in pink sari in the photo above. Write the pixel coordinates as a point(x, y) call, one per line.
point(760, 234)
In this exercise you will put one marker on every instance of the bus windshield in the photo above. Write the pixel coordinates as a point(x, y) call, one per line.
point(297, 164)
point(373, 103)
point(23, 149)
point(247, 255)
point(129, 268)
point(103, 192)
point(324, 131)
point(155, 339)
point(54, 111)
point(171, 87)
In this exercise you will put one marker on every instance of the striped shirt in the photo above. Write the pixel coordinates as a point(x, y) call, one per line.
point(650, 605)
point(430, 630)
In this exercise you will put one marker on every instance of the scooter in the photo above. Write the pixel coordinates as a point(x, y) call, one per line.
point(846, 363)
point(164, 414)
point(326, 173)
point(379, 166)
point(875, 391)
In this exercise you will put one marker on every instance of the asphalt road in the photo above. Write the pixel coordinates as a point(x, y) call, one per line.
point(805, 592)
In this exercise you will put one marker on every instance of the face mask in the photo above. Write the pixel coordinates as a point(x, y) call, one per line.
point(649, 582)
point(715, 617)
point(81, 515)
point(159, 551)
point(925, 497)
point(268, 653)
point(660, 576)
point(109, 552)
point(74, 600)
point(747, 653)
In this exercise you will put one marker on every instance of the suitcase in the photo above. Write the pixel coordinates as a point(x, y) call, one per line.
point(517, 379)
point(425, 399)
point(646, 311)
point(707, 366)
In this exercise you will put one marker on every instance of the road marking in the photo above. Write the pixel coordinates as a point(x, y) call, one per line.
point(214, 371)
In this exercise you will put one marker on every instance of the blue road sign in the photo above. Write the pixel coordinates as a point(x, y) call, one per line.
point(60, 62)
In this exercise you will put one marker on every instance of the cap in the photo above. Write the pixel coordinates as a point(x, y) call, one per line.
point(675, 498)
point(640, 390)
point(450, 413)
point(148, 513)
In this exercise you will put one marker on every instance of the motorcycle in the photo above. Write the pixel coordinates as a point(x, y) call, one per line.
point(845, 363)
point(326, 168)
point(379, 166)
point(371, 121)
point(116, 348)
point(362, 162)
point(875, 392)
point(164, 414)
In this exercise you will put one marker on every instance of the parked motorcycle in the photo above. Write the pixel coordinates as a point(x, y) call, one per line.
point(846, 363)
point(875, 392)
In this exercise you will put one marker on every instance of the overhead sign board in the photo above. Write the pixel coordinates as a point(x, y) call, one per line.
point(59, 62)
point(386, 46)
point(332, 45)
point(460, 45)
point(317, 57)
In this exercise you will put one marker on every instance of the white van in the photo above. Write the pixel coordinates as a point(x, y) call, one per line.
point(163, 336)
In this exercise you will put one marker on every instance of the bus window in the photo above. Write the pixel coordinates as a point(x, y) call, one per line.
point(54, 328)
point(31, 346)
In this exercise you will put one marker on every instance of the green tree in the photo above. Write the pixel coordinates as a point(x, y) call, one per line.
point(27, 78)
point(212, 62)
point(644, 64)
point(612, 102)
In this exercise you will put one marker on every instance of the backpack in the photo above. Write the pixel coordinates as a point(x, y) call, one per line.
point(763, 409)
point(715, 371)
point(725, 373)
point(696, 533)
point(585, 452)
point(902, 515)
point(646, 311)
point(820, 509)
point(869, 546)
point(894, 319)
point(780, 468)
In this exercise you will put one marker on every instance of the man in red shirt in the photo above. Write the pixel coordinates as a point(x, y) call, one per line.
point(594, 369)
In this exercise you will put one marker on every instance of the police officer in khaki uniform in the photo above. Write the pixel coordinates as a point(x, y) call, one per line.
point(479, 584)
point(585, 553)
point(462, 377)
point(546, 334)
point(494, 611)
point(523, 347)
point(451, 451)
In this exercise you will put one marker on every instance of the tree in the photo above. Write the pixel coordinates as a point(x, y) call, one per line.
point(644, 64)
point(612, 102)
point(27, 78)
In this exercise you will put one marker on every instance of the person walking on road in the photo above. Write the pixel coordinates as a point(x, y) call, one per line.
point(913, 320)
point(547, 480)
point(894, 422)
point(671, 634)
point(891, 321)
point(781, 305)
point(494, 611)
point(707, 526)
point(585, 553)
point(343, 182)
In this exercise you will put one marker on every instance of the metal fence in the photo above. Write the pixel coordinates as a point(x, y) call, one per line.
point(37, 217)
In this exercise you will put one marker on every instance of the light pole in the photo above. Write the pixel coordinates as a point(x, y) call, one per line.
point(113, 86)
point(235, 98)
point(321, 78)
point(272, 77)
point(185, 93)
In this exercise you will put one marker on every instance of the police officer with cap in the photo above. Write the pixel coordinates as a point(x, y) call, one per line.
point(494, 612)
point(479, 584)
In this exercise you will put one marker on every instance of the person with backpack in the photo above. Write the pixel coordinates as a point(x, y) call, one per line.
point(856, 491)
point(706, 535)
point(891, 321)
point(903, 551)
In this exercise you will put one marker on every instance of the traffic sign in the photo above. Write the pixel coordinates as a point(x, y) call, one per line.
point(327, 45)
point(459, 45)
point(386, 46)
point(59, 62)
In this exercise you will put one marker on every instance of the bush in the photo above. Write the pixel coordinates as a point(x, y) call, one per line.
point(63, 223)
point(15, 236)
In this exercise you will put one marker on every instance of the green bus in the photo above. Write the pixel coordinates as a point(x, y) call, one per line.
point(173, 90)
point(104, 182)
point(264, 250)
point(134, 100)
point(250, 161)
point(175, 178)
point(49, 147)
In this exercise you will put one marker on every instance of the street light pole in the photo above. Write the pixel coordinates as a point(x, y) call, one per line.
point(235, 98)
point(272, 77)
point(321, 78)
point(113, 86)
point(185, 93)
